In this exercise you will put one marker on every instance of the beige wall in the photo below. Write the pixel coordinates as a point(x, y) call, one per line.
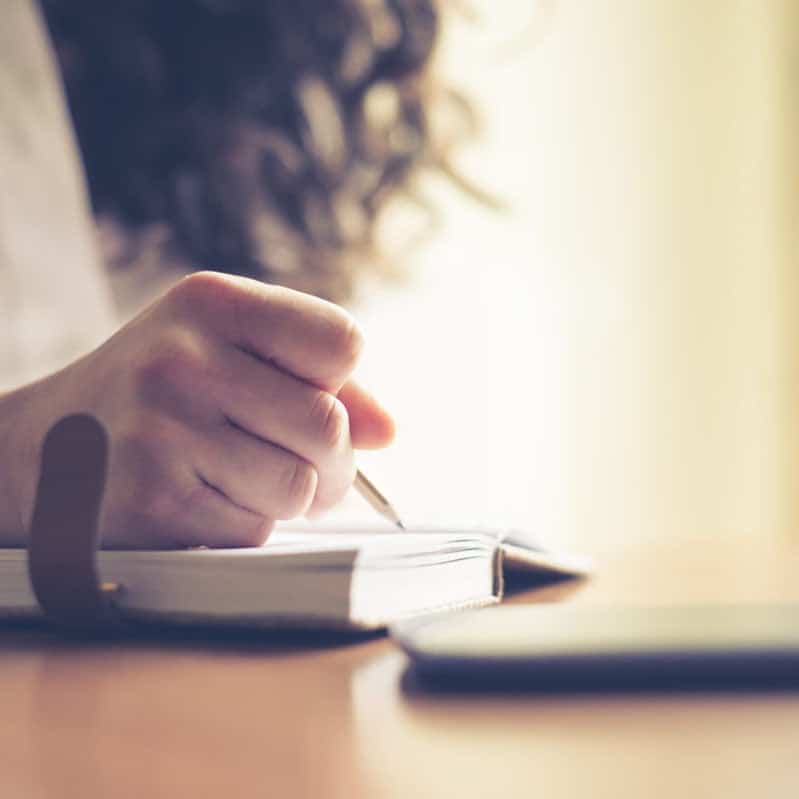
point(630, 328)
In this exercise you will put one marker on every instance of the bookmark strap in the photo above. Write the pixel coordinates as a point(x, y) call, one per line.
point(64, 533)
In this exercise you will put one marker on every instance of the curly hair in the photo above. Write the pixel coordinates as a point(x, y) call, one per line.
point(261, 137)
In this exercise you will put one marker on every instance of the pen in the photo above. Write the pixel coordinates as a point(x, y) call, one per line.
point(367, 490)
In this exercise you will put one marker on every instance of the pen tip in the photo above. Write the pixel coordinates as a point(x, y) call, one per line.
point(400, 524)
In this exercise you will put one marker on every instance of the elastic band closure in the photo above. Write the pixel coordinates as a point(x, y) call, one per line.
point(64, 535)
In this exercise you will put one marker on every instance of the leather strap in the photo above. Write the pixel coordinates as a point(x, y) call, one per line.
point(65, 528)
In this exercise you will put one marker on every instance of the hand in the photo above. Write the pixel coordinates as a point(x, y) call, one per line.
point(228, 405)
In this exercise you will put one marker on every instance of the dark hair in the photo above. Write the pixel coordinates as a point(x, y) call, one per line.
point(262, 137)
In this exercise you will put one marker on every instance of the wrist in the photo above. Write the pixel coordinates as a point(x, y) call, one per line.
point(20, 440)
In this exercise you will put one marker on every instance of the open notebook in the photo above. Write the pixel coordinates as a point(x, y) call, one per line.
point(334, 579)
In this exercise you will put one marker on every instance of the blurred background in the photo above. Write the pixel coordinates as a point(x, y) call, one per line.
point(614, 357)
point(611, 355)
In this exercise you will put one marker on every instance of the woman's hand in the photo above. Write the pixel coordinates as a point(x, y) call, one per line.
point(228, 405)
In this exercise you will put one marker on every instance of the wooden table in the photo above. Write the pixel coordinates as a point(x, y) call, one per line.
point(297, 717)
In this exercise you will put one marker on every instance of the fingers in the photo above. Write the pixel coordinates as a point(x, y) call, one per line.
point(211, 519)
point(157, 499)
point(308, 337)
point(257, 476)
point(371, 425)
point(205, 386)
point(276, 408)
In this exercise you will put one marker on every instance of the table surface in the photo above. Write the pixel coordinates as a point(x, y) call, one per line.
point(302, 717)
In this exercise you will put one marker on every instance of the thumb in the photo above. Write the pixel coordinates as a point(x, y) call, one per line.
point(371, 425)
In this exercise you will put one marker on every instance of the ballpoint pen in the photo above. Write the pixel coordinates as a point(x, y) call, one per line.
point(367, 490)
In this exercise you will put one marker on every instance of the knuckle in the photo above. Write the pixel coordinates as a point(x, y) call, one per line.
point(152, 493)
point(334, 491)
point(330, 420)
point(145, 438)
point(347, 341)
point(200, 287)
point(263, 530)
point(205, 295)
point(299, 488)
point(252, 535)
point(176, 362)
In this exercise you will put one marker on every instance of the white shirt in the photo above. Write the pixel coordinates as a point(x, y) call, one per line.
point(55, 302)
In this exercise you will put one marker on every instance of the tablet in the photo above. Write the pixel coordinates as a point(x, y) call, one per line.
point(557, 646)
